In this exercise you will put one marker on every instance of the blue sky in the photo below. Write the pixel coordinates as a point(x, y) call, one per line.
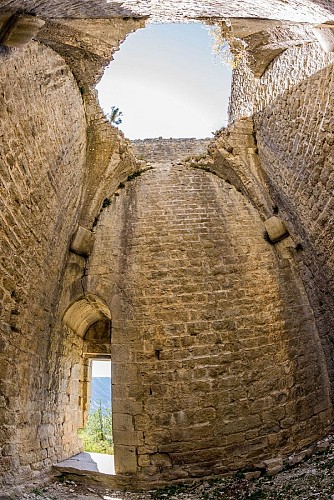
point(167, 83)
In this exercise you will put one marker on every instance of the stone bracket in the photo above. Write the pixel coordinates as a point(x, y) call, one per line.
point(276, 229)
point(325, 36)
point(82, 241)
point(18, 30)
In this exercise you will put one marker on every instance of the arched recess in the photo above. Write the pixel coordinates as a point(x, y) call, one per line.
point(85, 312)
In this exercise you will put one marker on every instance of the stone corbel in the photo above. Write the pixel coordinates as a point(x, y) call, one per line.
point(325, 36)
point(18, 30)
point(276, 229)
point(82, 241)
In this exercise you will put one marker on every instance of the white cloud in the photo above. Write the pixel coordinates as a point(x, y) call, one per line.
point(101, 368)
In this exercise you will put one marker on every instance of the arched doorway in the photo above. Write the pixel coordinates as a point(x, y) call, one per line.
point(90, 318)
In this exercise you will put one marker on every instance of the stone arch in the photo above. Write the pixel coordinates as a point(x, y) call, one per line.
point(205, 329)
point(82, 314)
point(89, 318)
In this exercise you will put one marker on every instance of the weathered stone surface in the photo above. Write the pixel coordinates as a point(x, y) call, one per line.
point(263, 40)
point(188, 285)
point(217, 361)
point(18, 30)
point(85, 312)
point(293, 119)
point(126, 460)
point(296, 458)
point(168, 10)
point(82, 241)
point(42, 131)
point(325, 37)
point(168, 150)
point(273, 466)
point(276, 229)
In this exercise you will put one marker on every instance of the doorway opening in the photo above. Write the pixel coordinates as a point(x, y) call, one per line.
point(90, 318)
point(97, 433)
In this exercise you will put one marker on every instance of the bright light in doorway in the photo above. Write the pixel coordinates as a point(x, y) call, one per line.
point(166, 82)
point(101, 368)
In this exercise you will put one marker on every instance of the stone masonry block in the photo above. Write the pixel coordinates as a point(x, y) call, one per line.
point(122, 422)
point(128, 438)
point(296, 458)
point(126, 459)
point(276, 229)
point(274, 466)
point(82, 241)
point(161, 460)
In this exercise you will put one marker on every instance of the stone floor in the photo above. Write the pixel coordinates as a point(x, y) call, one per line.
point(312, 479)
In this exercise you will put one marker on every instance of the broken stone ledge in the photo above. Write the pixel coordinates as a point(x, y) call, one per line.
point(18, 30)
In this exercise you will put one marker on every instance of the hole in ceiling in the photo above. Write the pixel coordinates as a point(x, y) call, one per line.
point(166, 82)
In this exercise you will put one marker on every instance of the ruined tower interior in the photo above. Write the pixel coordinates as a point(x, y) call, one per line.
point(203, 269)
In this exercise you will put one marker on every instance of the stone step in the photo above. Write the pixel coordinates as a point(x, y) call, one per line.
point(94, 468)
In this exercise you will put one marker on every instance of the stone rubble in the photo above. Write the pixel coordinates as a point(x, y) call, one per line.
point(311, 479)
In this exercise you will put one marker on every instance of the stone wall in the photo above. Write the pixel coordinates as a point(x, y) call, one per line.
point(213, 333)
point(293, 120)
point(42, 137)
point(216, 359)
point(295, 136)
point(168, 150)
point(56, 144)
point(184, 11)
